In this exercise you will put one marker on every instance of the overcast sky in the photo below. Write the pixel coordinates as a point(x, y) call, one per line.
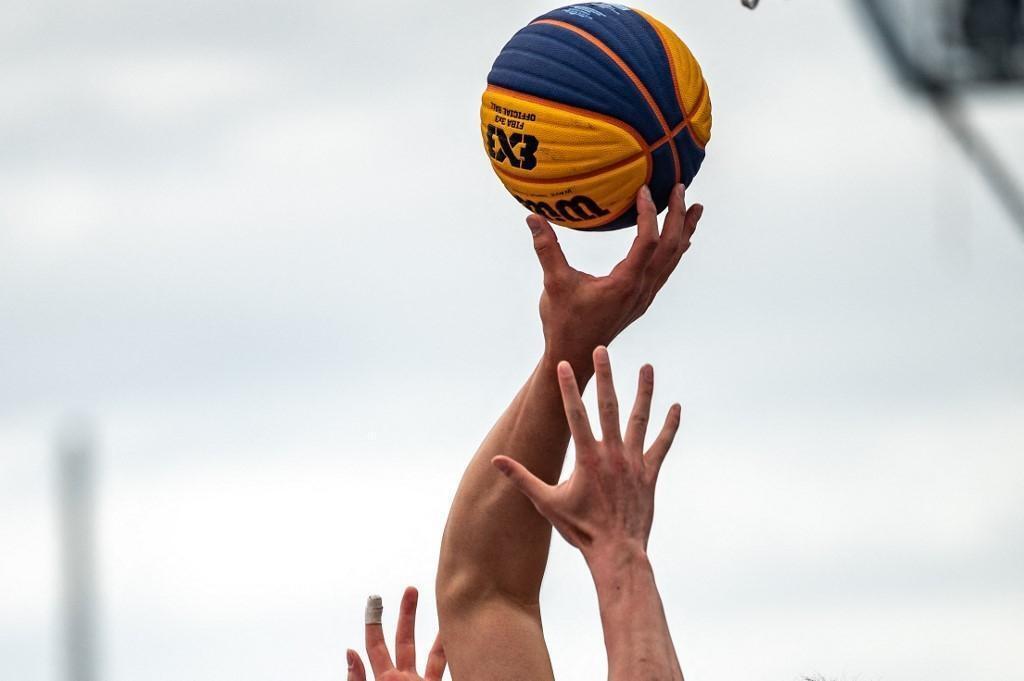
point(260, 246)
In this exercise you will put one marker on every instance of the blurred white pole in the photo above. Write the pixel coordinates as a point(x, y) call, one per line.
point(76, 489)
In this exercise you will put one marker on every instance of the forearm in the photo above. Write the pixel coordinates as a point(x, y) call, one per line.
point(495, 545)
point(495, 541)
point(636, 632)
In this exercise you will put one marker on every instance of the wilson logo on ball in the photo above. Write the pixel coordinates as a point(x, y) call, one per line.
point(502, 148)
point(576, 209)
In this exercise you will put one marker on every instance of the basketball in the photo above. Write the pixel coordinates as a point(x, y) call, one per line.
point(587, 104)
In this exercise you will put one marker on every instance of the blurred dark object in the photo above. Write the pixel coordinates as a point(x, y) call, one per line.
point(992, 30)
point(76, 471)
point(942, 44)
point(945, 48)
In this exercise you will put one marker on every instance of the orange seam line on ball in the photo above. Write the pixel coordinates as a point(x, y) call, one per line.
point(675, 80)
point(622, 125)
point(626, 70)
point(668, 57)
point(629, 205)
point(615, 216)
point(632, 158)
point(645, 149)
point(696, 107)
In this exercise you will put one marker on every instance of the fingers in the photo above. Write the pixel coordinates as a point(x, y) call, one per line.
point(690, 220)
point(405, 643)
point(405, 634)
point(693, 216)
point(545, 243)
point(356, 671)
point(436, 661)
point(676, 209)
point(607, 403)
point(376, 647)
point(575, 412)
point(671, 233)
point(532, 487)
point(636, 431)
point(646, 241)
point(680, 224)
point(656, 454)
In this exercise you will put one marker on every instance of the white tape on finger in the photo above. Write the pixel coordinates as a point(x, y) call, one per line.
point(374, 609)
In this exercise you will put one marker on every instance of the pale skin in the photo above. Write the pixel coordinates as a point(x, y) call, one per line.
point(495, 546)
point(403, 667)
point(605, 509)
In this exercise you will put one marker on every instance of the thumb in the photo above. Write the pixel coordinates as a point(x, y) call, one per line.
point(532, 487)
point(436, 661)
point(545, 243)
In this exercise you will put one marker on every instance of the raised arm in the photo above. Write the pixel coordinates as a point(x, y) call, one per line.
point(495, 545)
point(606, 509)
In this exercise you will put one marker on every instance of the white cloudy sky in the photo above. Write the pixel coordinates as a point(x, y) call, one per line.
point(259, 245)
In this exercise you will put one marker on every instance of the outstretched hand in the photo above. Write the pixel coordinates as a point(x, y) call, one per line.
point(404, 666)
point(580, 311)
point(607, 504)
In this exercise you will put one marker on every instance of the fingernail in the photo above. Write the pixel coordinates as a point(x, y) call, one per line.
point(681, 190)
point(647, 372)
point(645, 192)
point(564, 368)
point(350, 657)
point(534, 227)
point(700, 210)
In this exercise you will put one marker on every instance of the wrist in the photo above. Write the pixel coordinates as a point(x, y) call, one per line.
point(626, 593)
point(581, 360)
point(614, 561)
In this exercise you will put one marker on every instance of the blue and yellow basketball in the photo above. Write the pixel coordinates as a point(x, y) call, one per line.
point(588, 103)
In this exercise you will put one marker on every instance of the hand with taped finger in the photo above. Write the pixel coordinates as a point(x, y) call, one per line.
point(580, 311)
point(403, 668)
point(607, 504)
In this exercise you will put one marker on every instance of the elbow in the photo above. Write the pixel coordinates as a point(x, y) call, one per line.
point(464, 591)
point(460, 587)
